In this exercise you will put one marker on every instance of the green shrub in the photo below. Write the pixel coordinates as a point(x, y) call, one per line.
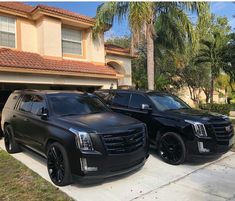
point(218, 108)
point(232, 107)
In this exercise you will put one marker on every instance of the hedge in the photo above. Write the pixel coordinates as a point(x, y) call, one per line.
point(232, 106)
point(217, 108)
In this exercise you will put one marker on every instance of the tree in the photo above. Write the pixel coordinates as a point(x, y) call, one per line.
point(142, 17)
point(211, 51)
point(124, 42)
point(228, 59)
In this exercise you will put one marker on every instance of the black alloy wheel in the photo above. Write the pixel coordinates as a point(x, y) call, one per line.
point(10, 144)
point(172, 149)
point(57, 165)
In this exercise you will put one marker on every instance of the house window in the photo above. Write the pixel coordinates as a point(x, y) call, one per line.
point(7, 31)
point(71, 41)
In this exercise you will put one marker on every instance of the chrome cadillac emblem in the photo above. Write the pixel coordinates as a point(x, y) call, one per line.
point(228, 128)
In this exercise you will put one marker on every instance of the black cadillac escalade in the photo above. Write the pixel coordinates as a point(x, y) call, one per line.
point(176, 129)
point(76, 132)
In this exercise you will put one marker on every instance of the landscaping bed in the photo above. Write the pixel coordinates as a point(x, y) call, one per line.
point(17, 182)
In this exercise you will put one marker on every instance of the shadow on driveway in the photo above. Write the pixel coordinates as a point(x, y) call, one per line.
point(192, 160)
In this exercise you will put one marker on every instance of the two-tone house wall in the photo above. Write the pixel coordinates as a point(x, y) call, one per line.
point(47, 47)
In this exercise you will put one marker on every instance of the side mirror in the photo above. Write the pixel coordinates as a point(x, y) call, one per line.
point(146, 107)
point(43, 113)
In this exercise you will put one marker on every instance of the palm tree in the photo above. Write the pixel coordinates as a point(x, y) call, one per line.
point(142, 17)
point(211, 53)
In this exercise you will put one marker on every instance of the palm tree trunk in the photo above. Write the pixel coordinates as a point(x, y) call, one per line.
point(132, 45)
point(150, 58)
point(212, 89)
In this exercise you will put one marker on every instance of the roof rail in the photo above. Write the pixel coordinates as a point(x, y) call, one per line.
point(20, 90)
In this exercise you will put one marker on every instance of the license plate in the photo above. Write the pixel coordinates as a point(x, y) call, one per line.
point(231, 141)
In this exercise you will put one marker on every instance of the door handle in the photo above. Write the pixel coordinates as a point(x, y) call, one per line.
point(25, 119)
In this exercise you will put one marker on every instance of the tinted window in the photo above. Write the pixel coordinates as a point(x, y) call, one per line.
point(121, 99)
point(109, 98)
point(75, 104)
point(137, 101)
point(166, 102)
point(26, 103)
point(38, 103)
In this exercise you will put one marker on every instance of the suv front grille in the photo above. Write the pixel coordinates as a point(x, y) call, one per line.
point(223, 132)
point(124, 142)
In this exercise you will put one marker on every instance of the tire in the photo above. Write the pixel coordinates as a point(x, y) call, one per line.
point(172, 148)
point(58, 165)
point(10, 143)
point(1, 134)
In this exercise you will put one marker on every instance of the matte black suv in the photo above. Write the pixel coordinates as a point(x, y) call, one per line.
point(176, 129)
point(76, 132)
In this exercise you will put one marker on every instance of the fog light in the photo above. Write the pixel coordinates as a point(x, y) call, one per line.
point(84, 166)
point(201, 148)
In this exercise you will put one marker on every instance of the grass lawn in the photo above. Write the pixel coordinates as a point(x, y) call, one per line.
point(17, 182)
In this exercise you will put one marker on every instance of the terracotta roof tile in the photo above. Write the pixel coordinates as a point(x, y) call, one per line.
point(17, 6)
point(117, 48)
point(66, 12)
point(27, 60)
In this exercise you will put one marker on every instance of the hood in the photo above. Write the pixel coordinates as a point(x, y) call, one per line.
point(195, 114)
point(99, 122)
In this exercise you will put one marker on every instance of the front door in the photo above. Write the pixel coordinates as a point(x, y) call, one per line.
point(119, 102)
point(135, 108)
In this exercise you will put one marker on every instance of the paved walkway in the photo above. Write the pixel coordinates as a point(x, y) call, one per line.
point(199, 180)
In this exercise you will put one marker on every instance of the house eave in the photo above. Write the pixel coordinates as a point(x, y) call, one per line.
point(54, 72)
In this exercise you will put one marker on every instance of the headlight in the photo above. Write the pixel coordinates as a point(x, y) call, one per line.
point(225, 117)
point(199, 128)
point(83, 140)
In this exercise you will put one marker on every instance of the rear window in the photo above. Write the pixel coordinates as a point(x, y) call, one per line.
point(11, 101)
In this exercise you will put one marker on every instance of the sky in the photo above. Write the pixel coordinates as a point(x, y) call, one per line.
point(121, 29)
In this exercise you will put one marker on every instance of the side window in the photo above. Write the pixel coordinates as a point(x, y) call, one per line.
point(26, 103)
point(38, 103)
point(109, 98)
point(137, 100)
point(121, 99)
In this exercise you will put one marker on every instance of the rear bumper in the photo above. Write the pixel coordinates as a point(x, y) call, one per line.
point(100, 166)
point(209, 146)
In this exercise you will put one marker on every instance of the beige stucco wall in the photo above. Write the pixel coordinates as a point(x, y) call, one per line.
point(28, 35)
point(29, 78)
point(125, 63)
point(184, 94)
point(95, 48)
point(49, 37)
point(44, 37)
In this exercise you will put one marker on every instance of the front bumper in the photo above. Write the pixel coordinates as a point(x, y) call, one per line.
point(110, 165)
point(209, 146)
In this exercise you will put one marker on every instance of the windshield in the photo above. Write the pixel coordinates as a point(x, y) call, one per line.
point(75, 104)
point(165, 102)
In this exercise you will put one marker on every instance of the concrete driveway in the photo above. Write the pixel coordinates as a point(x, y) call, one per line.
point(211, 179)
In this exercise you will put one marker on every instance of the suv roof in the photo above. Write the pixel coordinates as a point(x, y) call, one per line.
point(47, 91)
point(136, 91)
